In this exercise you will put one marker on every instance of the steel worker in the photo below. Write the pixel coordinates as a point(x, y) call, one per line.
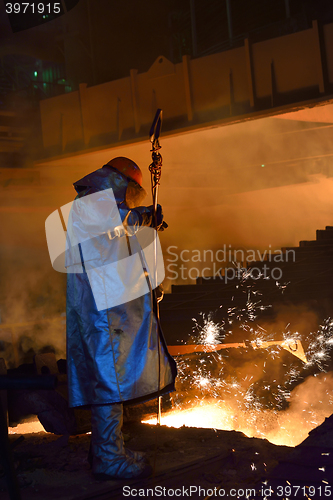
point(116, 352)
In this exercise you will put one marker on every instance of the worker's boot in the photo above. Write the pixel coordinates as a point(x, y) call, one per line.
point(138, 456)
point(110, 460)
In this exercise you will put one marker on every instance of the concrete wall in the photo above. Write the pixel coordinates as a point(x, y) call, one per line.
point(225, 87)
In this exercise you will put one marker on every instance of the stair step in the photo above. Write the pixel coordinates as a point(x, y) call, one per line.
point(324, 234)
point(317, 243)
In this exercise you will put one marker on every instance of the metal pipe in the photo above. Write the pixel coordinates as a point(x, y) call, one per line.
point(28, 382)
point(229, 18)
point(287, 7)
point(91, 43)
point(193, 29)
point(6, 459)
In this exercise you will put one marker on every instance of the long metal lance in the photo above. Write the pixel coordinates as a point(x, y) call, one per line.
point(155, 169)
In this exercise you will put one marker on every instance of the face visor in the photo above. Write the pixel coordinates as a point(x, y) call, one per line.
point(135, 194)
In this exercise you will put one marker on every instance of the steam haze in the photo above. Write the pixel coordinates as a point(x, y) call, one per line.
point(214, 192)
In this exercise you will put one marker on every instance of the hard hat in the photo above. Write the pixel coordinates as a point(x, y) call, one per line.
point(127, 167)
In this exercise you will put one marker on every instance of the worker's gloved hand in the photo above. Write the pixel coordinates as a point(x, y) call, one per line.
point(159, 218)
point(163, 226)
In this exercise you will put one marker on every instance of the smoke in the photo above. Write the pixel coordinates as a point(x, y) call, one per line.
point(291, 320)
point(310, 403)
point(249, 185)
point(263, 391)
point(32, 295)
point(33, 307)
point(254, 185)
point(263, 183)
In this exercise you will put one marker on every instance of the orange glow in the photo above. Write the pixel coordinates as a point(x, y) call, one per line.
point(278, 428)
point(30, 427)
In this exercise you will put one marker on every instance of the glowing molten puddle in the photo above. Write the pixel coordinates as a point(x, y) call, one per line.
point(278, 428)
point(30, 427)
point(207, 416)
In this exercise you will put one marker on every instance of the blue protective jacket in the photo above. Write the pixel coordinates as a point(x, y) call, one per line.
point(116, 354)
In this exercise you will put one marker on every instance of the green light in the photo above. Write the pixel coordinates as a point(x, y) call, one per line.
point(262, 165)
point(35, 73)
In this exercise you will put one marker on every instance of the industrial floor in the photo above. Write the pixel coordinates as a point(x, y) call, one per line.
point(189, 462)
point(52, 467)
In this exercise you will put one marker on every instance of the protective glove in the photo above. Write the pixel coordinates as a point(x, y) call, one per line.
point(161, 225)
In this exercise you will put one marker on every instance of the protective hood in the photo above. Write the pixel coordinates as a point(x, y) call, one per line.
point(104, 178)
point(124, 189)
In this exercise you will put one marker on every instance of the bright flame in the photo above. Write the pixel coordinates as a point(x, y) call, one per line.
point(208, 416)
point(278, 428)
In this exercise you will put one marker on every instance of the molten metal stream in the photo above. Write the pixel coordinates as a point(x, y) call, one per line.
point(266, 424)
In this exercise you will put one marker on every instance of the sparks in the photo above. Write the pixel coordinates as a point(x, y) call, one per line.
point(208, 394)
